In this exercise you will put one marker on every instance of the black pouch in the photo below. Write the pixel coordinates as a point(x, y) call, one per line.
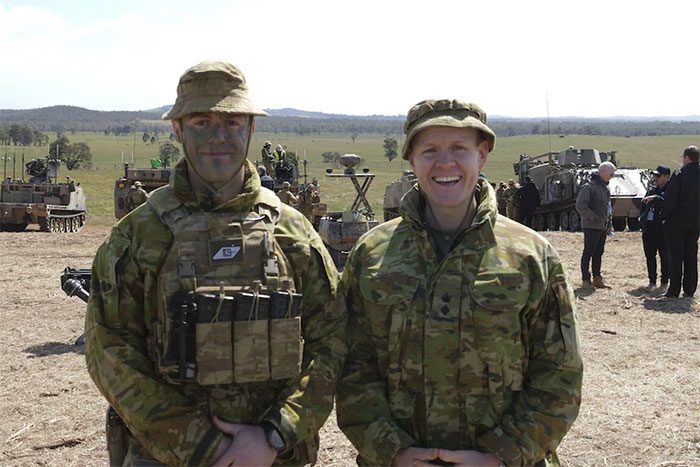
point(286, 343)
point(183, 315)
point(251, 345)
point(214, 339)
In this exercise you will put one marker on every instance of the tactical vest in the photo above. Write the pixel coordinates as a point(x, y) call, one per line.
point(227, 307)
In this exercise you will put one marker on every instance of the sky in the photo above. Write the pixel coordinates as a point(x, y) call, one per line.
point(514, 58)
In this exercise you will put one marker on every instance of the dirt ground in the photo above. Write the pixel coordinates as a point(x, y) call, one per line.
point(641, 399)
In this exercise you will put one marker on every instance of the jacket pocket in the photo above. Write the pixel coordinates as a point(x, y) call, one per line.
point(499, 296)
point(397, 334)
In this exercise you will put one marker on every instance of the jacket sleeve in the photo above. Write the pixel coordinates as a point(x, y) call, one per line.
point(362, 404)
point(160, 416)
point(672, 198)
point(582, 202)
point(305, 405)
point(542, 413)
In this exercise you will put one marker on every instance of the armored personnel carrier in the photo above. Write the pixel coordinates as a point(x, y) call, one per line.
point(42, 200)
point(341, 230)
point(394, 192)
point(150, 180)
point(559, 176)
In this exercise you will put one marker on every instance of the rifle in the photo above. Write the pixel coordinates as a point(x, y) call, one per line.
point(76, 282)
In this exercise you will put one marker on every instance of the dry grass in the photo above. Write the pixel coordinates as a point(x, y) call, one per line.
point(641, 401)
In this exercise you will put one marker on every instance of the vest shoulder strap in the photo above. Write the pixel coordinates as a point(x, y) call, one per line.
point(168, 207)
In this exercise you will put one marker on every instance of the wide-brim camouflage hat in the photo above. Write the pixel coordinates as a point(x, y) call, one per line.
point(212, 87)
point(445, 112)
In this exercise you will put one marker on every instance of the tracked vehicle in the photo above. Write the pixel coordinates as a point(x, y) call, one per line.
point(394, 192)
point(559, 176)
point(42, 200)
point(149, 178)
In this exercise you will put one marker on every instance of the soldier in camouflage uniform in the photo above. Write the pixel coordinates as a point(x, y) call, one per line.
point(207, 327)
point(286, 196)
point(462, 336)
point(136, 196)
point(501, 200)
point(512, 200)
point(268, 159)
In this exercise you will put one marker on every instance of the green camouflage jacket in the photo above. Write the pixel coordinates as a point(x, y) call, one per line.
point(478, 351)
point(173, 421)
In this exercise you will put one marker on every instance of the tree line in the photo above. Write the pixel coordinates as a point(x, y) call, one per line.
point(21, 135)
point(68, 119)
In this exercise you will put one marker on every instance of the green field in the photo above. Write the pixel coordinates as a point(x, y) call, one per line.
point(98, 182)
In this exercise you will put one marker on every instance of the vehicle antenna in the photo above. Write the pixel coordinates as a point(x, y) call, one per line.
point(549, 133)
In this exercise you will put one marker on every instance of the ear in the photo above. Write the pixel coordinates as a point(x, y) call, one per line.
point(177, 129)
point(483, 153)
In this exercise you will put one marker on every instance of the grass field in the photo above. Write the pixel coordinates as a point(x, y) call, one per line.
point(107, 150)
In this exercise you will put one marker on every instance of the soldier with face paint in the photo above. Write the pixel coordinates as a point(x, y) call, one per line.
point(208, 329)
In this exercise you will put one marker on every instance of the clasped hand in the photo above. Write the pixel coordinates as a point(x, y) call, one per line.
point(244, 445)
point(427, 457)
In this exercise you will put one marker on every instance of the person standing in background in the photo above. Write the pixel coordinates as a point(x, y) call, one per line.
point(682, 224)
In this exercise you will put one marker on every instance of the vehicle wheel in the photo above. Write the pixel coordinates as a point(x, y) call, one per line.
point(633, 224)
point(44, 224)
point(540, 223)
point(619, 223)
point(564, 221)
point(574, 221)
point(552, 221)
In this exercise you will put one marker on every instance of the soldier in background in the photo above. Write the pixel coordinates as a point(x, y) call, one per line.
point(197, 380)
point(501, 198)
point(136, 196)
point(306, 202)
point(265, 180)
point(268, 158)
point(284, 170)
point(512, 200)
point(286, 196)
point(528, 201)
point(462, 336)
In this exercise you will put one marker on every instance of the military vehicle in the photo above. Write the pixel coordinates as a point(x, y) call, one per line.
point(42, 200)
point(394, 192)
point(149, 178)
point(559, 176)
point(340, 230)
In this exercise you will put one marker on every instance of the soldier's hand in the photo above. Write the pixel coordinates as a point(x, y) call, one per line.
point(249, 445)
point(468, 458)
point(415, 457)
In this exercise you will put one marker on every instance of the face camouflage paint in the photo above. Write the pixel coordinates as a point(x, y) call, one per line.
point(215, 144)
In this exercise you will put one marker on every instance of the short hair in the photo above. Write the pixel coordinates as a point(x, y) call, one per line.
point(262, 170)
point(692, 153)
point(607, 167)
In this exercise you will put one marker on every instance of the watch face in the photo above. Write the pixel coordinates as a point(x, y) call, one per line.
point(276, 440)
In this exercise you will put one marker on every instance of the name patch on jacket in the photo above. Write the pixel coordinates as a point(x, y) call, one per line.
point(225, 251)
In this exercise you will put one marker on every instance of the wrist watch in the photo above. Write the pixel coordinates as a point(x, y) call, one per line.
point(274, 437)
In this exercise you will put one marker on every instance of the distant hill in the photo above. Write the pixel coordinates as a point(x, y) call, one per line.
point(303, 122)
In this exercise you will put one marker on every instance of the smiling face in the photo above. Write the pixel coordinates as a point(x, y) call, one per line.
point(447, 162)
point(215, 144)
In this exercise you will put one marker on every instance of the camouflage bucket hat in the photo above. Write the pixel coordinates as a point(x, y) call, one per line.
point(212, 87)
point(445, 112)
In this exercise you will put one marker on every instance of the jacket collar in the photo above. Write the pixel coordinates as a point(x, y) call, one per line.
point(478, 236)
point(250, 196)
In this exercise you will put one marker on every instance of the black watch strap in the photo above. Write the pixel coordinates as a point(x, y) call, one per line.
point(274, 437)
